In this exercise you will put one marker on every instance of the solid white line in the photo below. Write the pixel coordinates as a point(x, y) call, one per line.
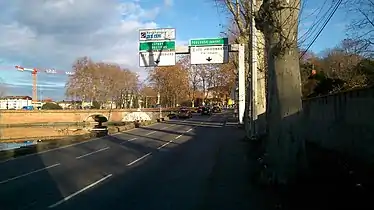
point(32, 172)
point(142, 157)
point(189, 130)
point(79, 157)
point(150, 133)
point(80, 191)
point(179, 136)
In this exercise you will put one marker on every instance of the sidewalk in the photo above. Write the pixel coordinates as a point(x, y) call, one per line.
point(229, 186)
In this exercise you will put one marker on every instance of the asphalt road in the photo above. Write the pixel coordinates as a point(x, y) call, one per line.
point(163, 166)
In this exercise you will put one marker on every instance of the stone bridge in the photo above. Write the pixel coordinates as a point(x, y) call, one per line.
point(13, 117)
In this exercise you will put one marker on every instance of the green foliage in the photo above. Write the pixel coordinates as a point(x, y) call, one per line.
point(51, 106)
point(95, 105)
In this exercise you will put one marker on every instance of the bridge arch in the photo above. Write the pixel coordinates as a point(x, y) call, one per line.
point(91, 117)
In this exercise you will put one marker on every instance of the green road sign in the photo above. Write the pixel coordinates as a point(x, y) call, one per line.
point(209, 42)
point(157, 46)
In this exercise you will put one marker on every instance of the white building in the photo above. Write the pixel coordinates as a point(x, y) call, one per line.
point(15, 102)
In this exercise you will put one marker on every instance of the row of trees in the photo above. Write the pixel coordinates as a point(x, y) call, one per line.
point(182, 84)
point(187, 84)
point(101, 82)
point(341, 68)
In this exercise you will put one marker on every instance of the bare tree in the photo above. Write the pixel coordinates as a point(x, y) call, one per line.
point(102, 82)
point(278, 20)
point(361, 28)
point(193, 76)
point(242, 19)
point(172, 82)
point(2, 88)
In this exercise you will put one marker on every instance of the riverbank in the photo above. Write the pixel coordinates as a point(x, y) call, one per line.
point(53, 143)
point(37, 132)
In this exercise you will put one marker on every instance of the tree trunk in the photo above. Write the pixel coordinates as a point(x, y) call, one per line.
point(285, 145)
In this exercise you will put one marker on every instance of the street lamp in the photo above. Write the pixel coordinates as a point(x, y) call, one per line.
point(159, 104)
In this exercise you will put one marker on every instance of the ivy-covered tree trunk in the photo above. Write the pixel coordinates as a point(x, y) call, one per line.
point(278, 19)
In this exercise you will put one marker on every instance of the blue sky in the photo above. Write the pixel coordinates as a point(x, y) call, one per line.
point(107, 30)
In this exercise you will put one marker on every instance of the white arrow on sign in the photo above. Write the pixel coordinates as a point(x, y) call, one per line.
point(209, 54)
point(151, 59)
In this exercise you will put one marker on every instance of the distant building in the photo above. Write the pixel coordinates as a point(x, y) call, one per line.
point(15, 102)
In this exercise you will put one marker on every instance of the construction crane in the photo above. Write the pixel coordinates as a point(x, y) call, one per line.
point(34, 72)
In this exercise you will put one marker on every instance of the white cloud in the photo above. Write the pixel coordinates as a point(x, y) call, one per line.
point(168, 3)
point(52, 34)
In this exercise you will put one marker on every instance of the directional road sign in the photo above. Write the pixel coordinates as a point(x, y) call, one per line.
point(209, 55)
point(209, 42)
point(157, 34)
point(209, 51)
point(153, 59)
point(157, 47)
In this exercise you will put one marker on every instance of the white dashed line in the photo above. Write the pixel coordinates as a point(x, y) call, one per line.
point(189, 130)
point(179, 136)
point(141, 158)
point(82, 156)
point(132, 139)
point(32, 172)
point(78, 192)
point(150, 133)
point(164, 145)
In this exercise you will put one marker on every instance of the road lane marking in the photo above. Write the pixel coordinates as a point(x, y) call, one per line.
point(150, 133)
point(139, 159)
point(91, 153)
point(189, 130)
point(70, 145)
point(164, 145)
point(32, 172)
point(79, 191)
point(179, 136)
point(131, 139)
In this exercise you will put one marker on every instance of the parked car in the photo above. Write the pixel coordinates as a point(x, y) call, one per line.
point(184, 113)
point(206, 111)
point(200, 109)
point(216, 109)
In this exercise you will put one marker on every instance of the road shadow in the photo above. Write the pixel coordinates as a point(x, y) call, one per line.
point(144, 147)
point(325, 178)
point(27, 184)
point(143, 136)
point(178, 176)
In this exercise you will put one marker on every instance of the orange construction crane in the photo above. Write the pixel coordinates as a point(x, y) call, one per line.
point(34, 72)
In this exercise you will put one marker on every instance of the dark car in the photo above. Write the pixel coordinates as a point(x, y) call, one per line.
point(200, 109)
point(184, 113)
point(216, 109)
point(206, 111)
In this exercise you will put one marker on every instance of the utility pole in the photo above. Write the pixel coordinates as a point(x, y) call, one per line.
point(159, 104)
point(253, 69)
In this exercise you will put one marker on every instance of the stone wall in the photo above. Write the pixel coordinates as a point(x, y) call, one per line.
point(343, 122)
point(12, 117)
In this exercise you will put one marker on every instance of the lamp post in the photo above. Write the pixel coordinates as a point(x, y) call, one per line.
point(159, 104)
